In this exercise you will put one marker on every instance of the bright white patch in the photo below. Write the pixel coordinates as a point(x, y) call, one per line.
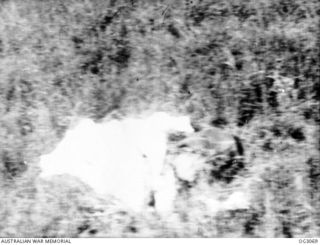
point(120, 158)
point(236, 200)
point(166, 191)
point(187, 165)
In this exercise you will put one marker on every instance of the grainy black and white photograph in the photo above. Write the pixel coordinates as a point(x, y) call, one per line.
point(159, 119)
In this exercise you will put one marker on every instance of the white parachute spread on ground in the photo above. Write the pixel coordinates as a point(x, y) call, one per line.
point(128, 159)
point(122, 158)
